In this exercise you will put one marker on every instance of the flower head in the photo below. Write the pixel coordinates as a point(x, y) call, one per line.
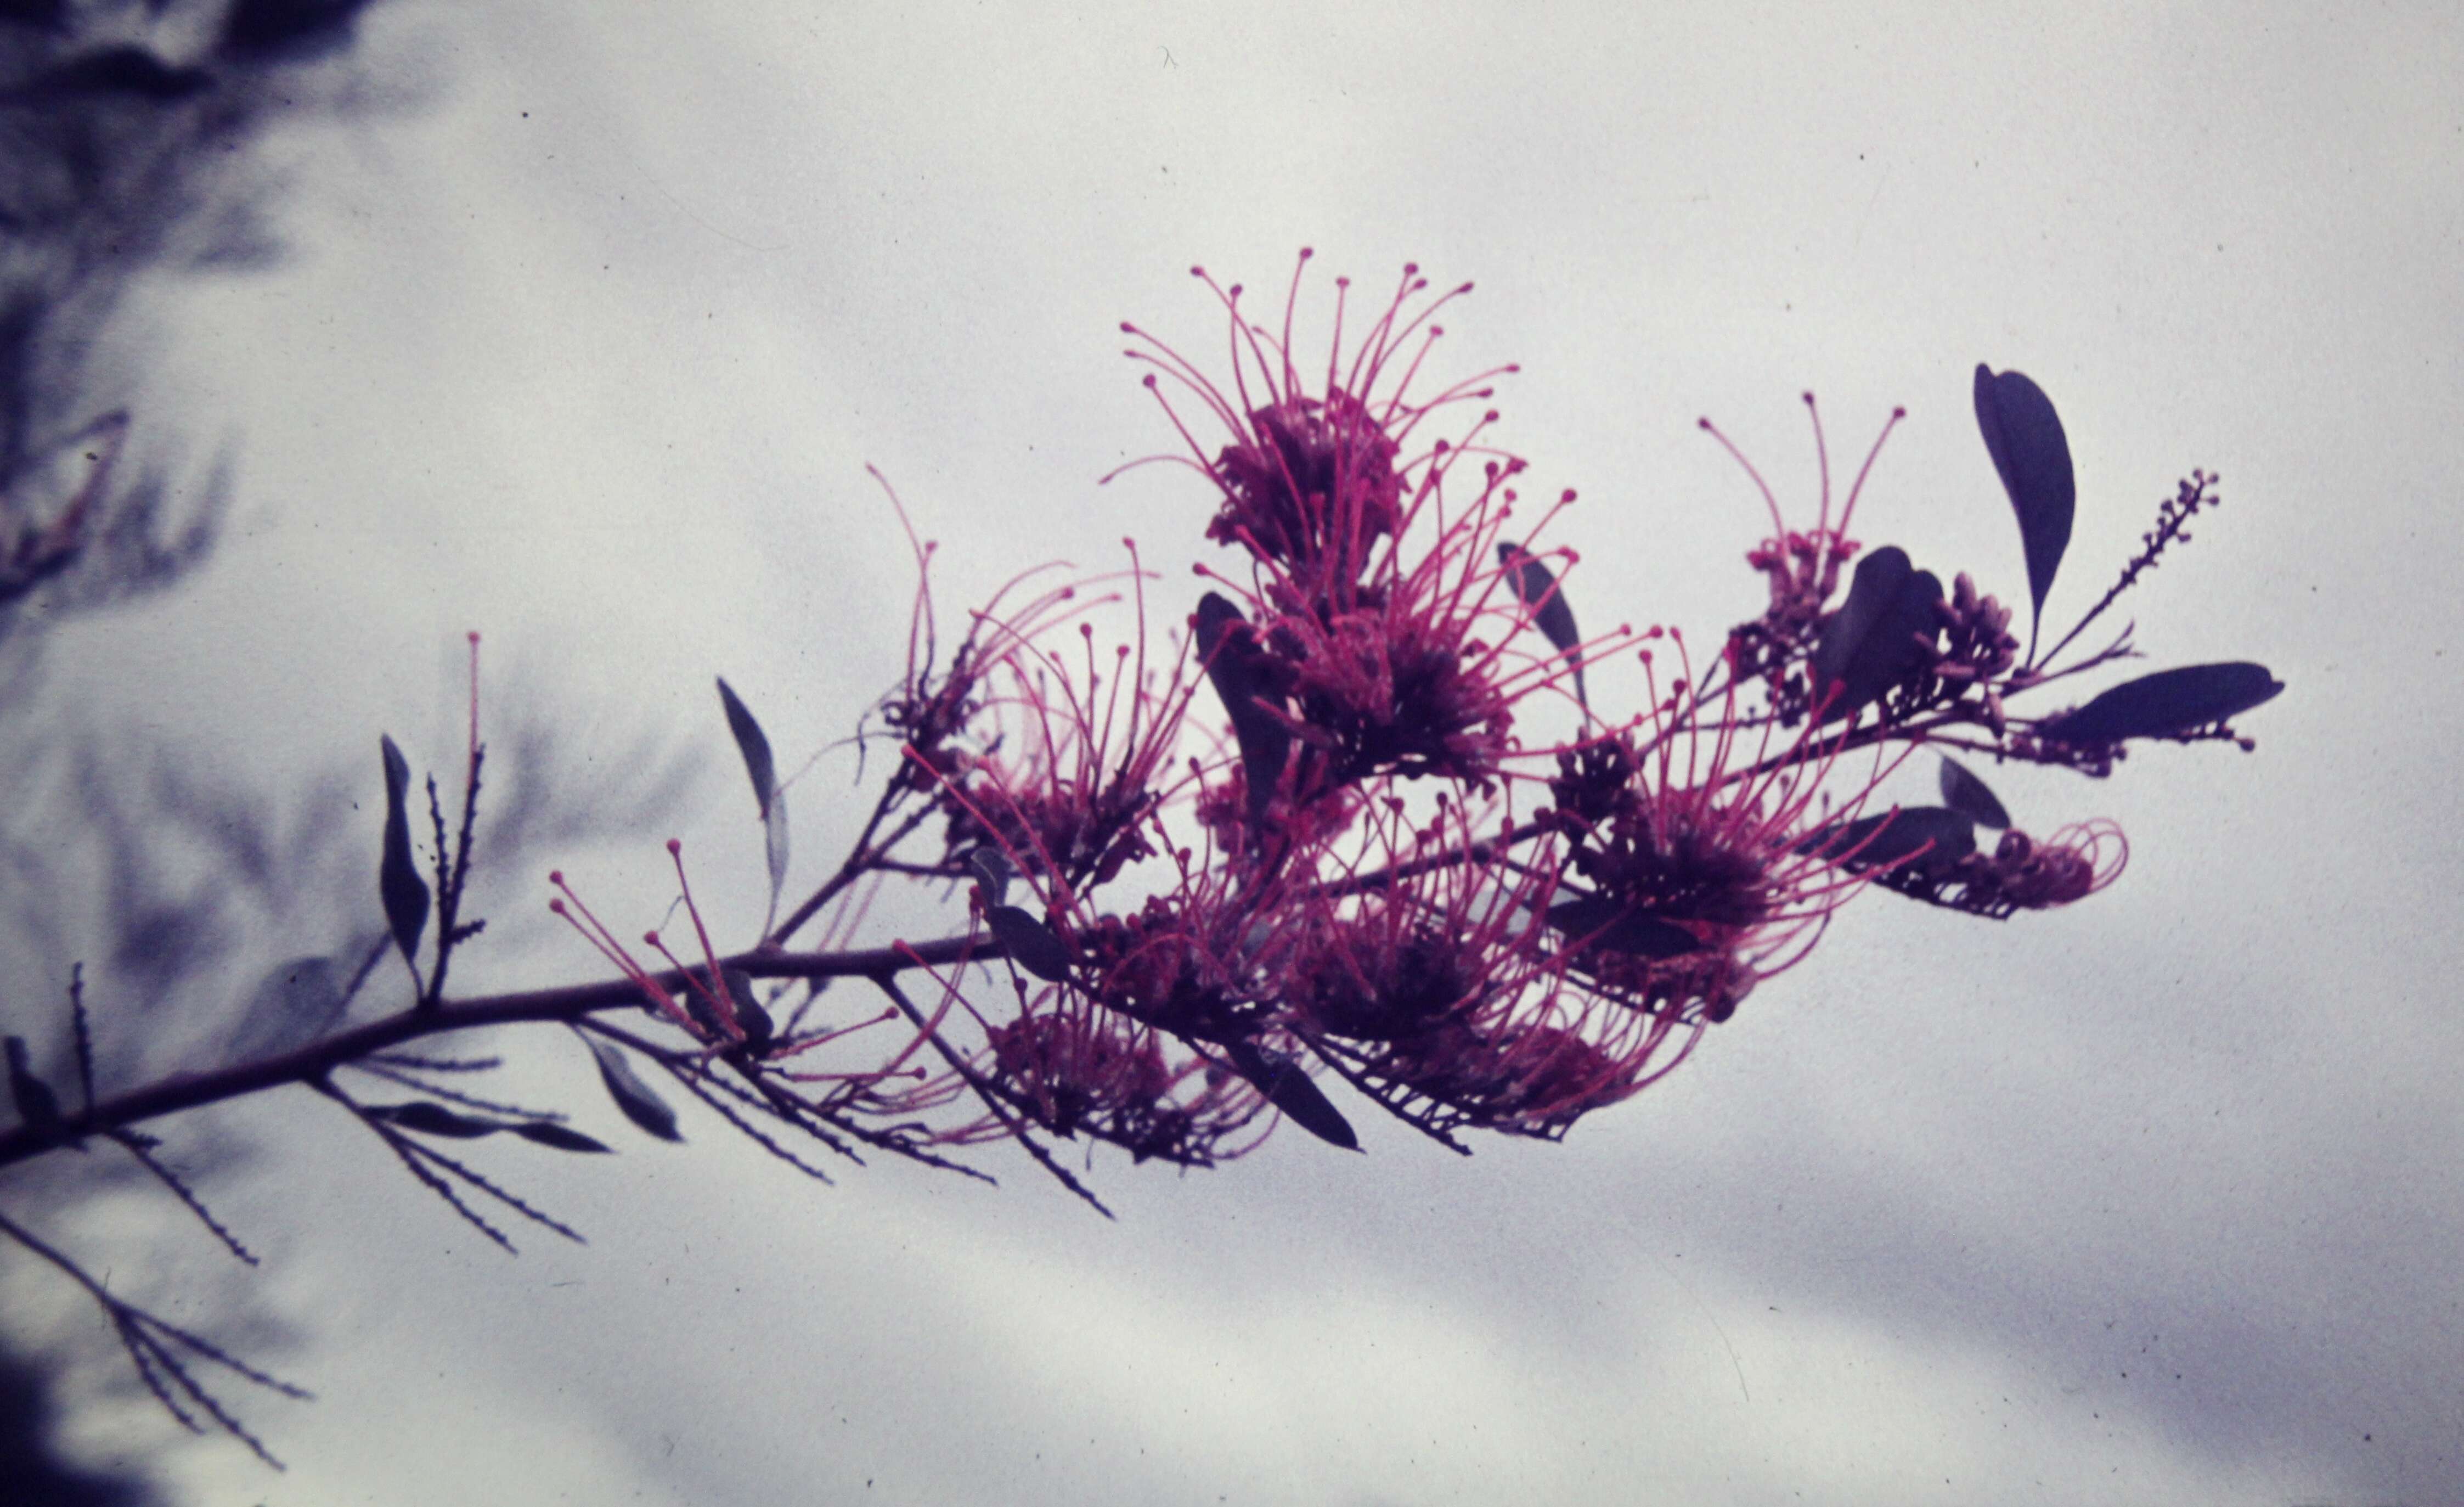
point(1696, 845)
point(1377, 622)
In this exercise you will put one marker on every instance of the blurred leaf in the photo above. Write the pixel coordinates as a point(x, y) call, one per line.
point(774, 850)
point(430, 1118)
point(126, 69)
point(2166, 702)
point(1288, 1087)
point(1879, 636)
point(294, 26)
point(398, 882)
point(990, 868)
point(1967, 795)
point(1536, 587)
point(1029, 943)
point(549, 1134)
point(2024, 437)
point(1230, 652)
point(37, 1104)
point(635, 1098)
point(1615, 925)
point(295, 1003)
point(1887, 837)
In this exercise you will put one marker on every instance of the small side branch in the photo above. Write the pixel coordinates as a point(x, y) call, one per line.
point(156, 1348)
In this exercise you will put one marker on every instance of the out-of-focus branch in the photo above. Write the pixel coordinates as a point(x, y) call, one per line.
point(306, 1064)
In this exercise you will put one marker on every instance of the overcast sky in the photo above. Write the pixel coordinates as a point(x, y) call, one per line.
point(2154, 1199)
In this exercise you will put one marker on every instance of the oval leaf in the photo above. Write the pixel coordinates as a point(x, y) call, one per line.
point(431, 1118)
point(1536, 587)
point(399, 886)
point(1614, 925)
point(1029, 942)
point(753, 746)
point(2164, 704)
point(1879, 636)
point(1288, 1087)
point(1943, 835)
point(1230, 652)
point(640, 1103)
point(1967, 795)
point(549, 1134)
point(2024, 437)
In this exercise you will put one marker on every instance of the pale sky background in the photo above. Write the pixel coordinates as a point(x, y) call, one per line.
point(2154, 1199)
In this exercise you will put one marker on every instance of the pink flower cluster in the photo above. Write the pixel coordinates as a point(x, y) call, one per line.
point(1309, 832)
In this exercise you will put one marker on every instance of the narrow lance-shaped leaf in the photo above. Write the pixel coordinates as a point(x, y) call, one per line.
point(2166, 703)
point(1942, 835)
point(547, 1132)
point(1879, 636)
point(1536, 587)
point(1615, 925)
point(399, 886)
point(759, 767)
point(1029, 942)
point(2024, 437)
point(1288, 1087)
point(430, 1118)
point(1967, 795)
point(641, 1105)
point(1230, 655)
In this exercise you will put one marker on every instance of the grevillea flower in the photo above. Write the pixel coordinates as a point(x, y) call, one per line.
point(1069, 758)
point(1692, 841)
point(1801, 568)
point(1379, 628)
point(1073, 1068)
point(1426, 975)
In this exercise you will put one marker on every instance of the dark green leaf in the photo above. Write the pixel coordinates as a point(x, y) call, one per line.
point(1943, 835)
point(399, 886)
point(1288, 1087)
point(1879, 636)
point(431, 1118)
point(1615, 925)
point(2024, 437)
point(1233, 659)
point(1029, 942)
point(1536, 587)
point(549, 1134)
point(1967, 795)
point(2166, 702)
point(640, 1103)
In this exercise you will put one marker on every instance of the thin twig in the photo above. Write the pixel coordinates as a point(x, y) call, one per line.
point(889, 986)
point(144, 1336)
point(136, 1146)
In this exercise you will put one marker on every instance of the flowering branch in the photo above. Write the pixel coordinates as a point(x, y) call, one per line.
point(1304, 828)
